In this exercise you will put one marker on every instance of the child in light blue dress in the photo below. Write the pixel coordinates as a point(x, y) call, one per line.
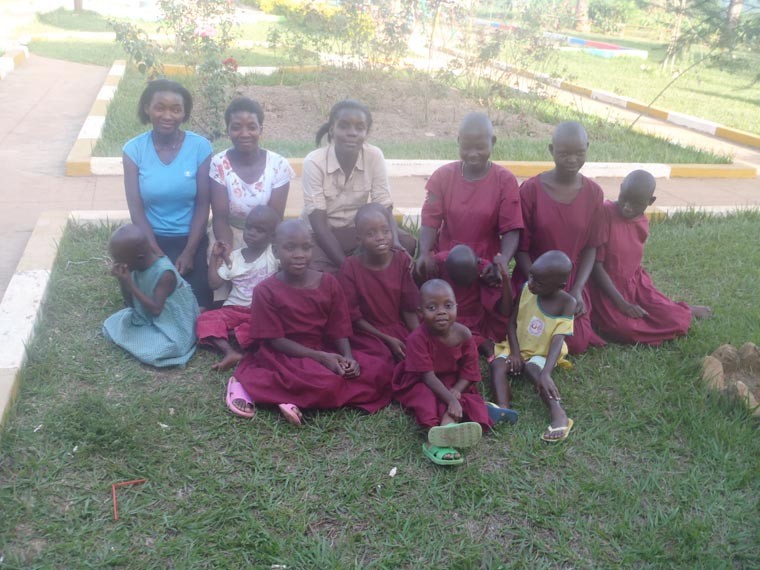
point(158, 325)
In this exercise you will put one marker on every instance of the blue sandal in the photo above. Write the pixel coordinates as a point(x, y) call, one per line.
point(499, 415)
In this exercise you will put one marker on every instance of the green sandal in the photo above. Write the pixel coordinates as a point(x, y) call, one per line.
point(436, 455)
point(465, 434)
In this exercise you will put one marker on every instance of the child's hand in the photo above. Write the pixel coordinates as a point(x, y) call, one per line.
point(632, 310)
point(426, 267)
point(515, 364)
point(580, 306)
point(350, 367)
point(121, 272)
point(333, 362)
point(222, 251)
point(546, 387)
point(455, 409)
point(456, 393)
point(491, 276)
point(397, 348)
point(502, 266)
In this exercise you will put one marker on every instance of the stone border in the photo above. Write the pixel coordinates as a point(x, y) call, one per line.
point(80, 156)
point(11, 59)
point(80, 161)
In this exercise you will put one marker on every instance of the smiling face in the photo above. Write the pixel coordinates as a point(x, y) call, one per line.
point(438, 306)
point(166, 112)
point(350, 130)
point(569, 153)
point(293, 247)
point(475, 149)
point(374, 233)
point(244, 131)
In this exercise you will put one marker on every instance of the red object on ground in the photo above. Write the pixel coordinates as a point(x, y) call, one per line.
point(113, 493)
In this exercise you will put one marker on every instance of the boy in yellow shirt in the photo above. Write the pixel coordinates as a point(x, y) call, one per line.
point(536, 336)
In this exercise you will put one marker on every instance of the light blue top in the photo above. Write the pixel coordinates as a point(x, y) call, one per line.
point(168, 190)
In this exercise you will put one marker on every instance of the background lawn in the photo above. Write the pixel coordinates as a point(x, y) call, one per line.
point(656, 473)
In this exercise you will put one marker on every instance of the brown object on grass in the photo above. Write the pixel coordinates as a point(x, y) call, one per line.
point(728, 356)
point(735, 373)
point(749, 354)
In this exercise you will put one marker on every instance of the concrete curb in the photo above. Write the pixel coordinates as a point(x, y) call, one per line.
point(80, 156)
point(80, 161)
point(680, 119)
point(11, 59)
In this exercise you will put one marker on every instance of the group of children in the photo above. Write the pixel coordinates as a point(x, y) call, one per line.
point(388, 328)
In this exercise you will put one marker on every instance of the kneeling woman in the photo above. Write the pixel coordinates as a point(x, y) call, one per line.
point(302, 324)
point(167, 185)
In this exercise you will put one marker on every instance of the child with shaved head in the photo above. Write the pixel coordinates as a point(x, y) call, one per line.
point(626, 306)
point(158, 325)
point(563, 210)
point(536, 336)
point(472, 201)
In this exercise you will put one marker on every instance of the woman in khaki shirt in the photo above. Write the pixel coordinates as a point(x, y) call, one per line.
point(340, 178)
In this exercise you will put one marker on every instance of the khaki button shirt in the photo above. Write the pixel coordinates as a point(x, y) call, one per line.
point(325, 186)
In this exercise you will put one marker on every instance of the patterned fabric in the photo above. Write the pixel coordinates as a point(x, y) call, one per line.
point(243, 196)
point(167, 339)
point(245, 276)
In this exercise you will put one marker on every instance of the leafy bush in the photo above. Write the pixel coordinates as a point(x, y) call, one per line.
point(610, 15)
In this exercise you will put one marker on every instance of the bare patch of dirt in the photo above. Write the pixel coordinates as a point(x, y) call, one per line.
point(402, 109)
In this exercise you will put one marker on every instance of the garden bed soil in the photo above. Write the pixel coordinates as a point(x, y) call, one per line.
point(398, 106)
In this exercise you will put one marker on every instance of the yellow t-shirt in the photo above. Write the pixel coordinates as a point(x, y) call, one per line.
point(535, 330)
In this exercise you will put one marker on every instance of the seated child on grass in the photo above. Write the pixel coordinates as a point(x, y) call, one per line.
point(158, 325)
point(484, 302)
point(626, 306)
point(536, 336)
point(438, 380)
point(377, 279)
point(302, 325)
point(243, 268)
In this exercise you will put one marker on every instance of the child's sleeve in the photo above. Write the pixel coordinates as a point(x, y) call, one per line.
point(433, 206)
point(527, 207)
point(564, 326)
point(418, 358)
point(510, 209)
point(338, 323)
point(469, 365)
point(265, 317)
point(347, 280)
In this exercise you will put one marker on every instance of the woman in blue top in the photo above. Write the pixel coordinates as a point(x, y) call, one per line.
point(166, 196)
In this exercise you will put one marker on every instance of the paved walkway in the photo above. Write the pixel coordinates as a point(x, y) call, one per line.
point(44, 103)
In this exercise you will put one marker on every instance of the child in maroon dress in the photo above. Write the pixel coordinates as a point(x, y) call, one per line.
point(437, 381)
point(626, 306)
point(563, 210)
point(381, 294)
point(471, 201)
point(302, 323)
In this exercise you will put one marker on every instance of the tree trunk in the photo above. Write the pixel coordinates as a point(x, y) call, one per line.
point(581, 16)
point(733, 15)
point(78, 5)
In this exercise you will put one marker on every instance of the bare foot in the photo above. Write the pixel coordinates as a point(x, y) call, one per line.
point(700, 312)
point(230, 360)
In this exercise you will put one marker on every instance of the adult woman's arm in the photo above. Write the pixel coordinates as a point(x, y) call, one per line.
point(585, 266)
point(279, 199)
point(325, 238)
point(220, 207)
point(426, 268)
point(184, 263)
point(135, 203)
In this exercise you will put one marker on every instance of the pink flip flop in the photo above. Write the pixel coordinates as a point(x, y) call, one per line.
point(291, 413)
point(235, 391)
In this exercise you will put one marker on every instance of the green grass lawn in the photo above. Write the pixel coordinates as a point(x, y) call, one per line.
point(610, 142)
point(725, 93)
point(657, 473)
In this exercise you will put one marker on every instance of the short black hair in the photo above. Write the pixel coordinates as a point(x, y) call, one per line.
point(337, 108)
point(156, 86)
point(244, 104)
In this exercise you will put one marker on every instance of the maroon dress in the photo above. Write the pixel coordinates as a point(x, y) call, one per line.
point(473, 213)
point(313, 318)
point(621, 257)
point(476, 305)
point(425, 353)
point(570, 228)
point(379, 296)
